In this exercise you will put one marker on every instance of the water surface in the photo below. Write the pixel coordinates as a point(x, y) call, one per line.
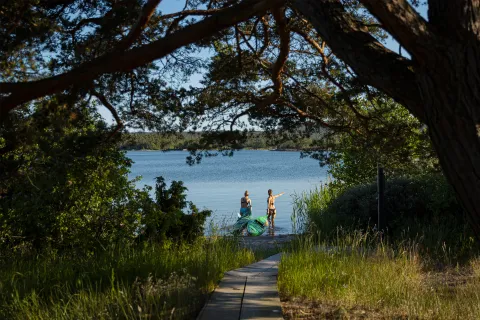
point(219, 182)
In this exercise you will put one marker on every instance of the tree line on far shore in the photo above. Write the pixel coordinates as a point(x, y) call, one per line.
point(189, 140)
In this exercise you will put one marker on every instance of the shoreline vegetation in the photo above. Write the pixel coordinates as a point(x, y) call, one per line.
point(150, 141)
point(362, 277)
point(254, 149)
point(425, 266)
point(144, 281)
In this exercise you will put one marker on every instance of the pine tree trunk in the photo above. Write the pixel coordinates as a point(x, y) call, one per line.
point(450, 88)
point(440, 85)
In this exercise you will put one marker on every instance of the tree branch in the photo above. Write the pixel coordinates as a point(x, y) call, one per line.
point(314, 95)
point(245, 40)
point(114, 62)
point(145, 15)
point(326, 73)
point(191, 13)
point(266, 37)
point(374, 64)
point(112, 110)
point(244, 113)
point(279, 16)
point(317, 119)
point(97, 21)
point(401, 20)
point(239, 49)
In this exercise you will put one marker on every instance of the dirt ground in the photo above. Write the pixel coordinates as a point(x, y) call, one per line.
point(310, 310)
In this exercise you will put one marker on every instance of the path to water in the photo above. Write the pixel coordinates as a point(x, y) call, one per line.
point(246, 293)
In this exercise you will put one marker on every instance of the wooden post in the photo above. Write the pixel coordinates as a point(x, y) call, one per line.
point(382, 219)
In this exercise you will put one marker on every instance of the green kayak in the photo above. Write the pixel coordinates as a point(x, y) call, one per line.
point(240, 225)
point(257, 226)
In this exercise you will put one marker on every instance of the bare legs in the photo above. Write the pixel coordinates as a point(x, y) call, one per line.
point(271, 219)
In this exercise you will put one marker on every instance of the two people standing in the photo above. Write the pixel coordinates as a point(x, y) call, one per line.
point(246, 206)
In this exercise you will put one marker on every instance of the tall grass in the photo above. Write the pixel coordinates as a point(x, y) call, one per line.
point(422, 217)
point(391, 276)
point(152, 281)
point(391, 282)
point(309, 212)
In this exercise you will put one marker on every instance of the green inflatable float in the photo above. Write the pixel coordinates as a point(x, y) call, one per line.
point(254, 226)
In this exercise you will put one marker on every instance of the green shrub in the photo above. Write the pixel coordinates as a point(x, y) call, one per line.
point(423, 209)
point(166, 219)
point(65, 186)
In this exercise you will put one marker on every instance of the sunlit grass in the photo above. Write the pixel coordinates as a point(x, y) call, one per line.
point(309, 210)
point(148, 282)
point(392, 282)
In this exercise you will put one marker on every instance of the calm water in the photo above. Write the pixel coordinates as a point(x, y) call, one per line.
point(218, 183)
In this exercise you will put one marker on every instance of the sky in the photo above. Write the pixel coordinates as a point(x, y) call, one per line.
point(170, 6)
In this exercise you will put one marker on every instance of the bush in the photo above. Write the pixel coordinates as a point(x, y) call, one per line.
point(65, 186)
point(423, 209)
point(166, 219)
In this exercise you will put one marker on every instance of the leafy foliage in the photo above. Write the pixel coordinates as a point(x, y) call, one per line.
point(66, 186)
point(166, 218)
point(401, 146)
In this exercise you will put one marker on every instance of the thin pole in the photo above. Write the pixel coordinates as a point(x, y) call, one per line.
point(382, 221)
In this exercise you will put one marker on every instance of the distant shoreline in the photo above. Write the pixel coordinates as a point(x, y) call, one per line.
point(260, 149)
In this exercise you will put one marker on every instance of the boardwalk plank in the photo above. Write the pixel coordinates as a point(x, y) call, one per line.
point(246, 293)
point(261, 300)
point(226, 300)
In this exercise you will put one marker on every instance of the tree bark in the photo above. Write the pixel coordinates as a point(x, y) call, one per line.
point(454, 133)
point(441, 86)
point(450, 84)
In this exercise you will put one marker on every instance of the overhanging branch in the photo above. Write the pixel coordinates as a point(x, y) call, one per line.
point(401, 20)
point(147, 11)
point(110, 108)
point(321, 50)
point(19, 93)
point(284, 34)
point(374, 64)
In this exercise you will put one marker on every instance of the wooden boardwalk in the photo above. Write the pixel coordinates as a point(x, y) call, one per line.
point(246, 293)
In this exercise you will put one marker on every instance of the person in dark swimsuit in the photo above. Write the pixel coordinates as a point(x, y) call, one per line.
point(271, 210)
point(245, 205)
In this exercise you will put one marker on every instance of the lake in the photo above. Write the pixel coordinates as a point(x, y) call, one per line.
point(218, 183)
